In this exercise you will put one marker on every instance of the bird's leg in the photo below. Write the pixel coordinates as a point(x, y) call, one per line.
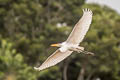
point(78, 49)
point(81, 49)
point(87, 52)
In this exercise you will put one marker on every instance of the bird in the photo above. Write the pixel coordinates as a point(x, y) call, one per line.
point(72, 43)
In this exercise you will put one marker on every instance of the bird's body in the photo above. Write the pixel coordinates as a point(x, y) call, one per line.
point(72, 43)
point(67, 46)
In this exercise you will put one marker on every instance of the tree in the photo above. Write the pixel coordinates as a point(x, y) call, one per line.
point(103, 40)
point(28, 27)
point(12, 65)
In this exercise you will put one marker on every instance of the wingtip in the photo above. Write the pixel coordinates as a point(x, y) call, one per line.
point(38, 69)
point(87, 10)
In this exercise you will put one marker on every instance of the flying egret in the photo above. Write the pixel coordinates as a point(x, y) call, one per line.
point(72, 43)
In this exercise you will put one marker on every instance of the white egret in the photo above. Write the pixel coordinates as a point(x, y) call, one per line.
point(72, 43)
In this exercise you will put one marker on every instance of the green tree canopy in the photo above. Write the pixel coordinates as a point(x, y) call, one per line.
point(28, 27)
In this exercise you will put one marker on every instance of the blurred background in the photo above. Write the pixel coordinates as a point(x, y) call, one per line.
point(28, 27)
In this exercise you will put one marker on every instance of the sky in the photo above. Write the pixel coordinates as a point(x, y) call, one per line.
point(114, 4)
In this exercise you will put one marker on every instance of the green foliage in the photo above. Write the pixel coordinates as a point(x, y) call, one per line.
point(103, 40)
point(12, 65)
point(31, 23)
point(28, 27)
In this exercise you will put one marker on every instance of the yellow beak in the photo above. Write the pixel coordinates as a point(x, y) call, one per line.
point(54, 45)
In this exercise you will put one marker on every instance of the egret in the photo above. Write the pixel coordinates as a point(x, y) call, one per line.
point(72, 43)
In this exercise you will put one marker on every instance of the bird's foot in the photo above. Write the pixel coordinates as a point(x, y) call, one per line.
point(85, 52)
point(88, 53)
point(81, 50)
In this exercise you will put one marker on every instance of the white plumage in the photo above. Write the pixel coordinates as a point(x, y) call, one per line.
point(72, 43)
point(55, 58)
point(81, 27)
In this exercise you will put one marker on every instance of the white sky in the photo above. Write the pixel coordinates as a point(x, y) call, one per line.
point(114, 4)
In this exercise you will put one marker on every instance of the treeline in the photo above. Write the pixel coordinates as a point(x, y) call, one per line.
point(28, 27)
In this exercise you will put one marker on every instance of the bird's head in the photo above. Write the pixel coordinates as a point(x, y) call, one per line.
point(58, 44)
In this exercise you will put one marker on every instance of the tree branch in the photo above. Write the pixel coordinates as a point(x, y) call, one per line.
point(81, 74)
point(65, 69)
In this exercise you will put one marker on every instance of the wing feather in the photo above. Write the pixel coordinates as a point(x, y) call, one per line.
point(55, 58)
point(80, 28)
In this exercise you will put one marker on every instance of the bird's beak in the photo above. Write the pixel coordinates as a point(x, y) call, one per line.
point(55, 45)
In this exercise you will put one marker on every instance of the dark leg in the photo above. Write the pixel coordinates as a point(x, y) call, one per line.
point(80, 49)
point(88, 53)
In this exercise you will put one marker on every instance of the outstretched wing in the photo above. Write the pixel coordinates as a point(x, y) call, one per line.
point(80, 28)
point(55, 58)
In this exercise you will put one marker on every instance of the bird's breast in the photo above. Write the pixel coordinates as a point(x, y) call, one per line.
point(63, 49)
point(67, 47)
